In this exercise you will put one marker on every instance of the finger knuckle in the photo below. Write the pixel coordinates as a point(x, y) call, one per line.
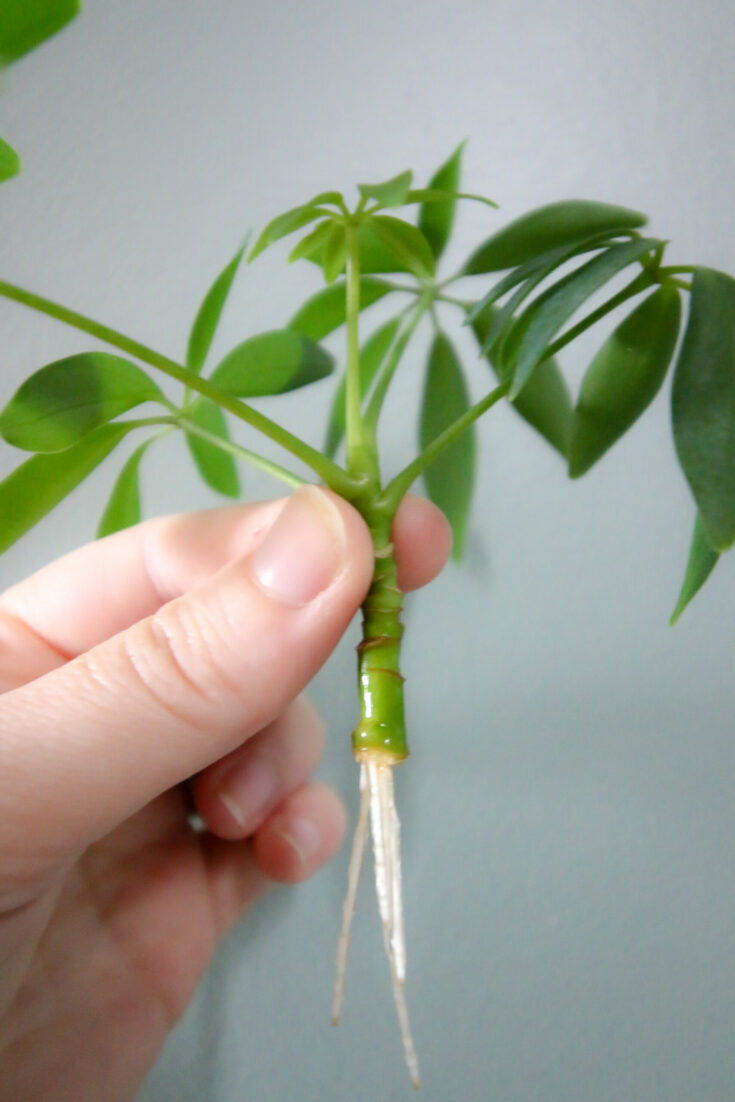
point(180, 657)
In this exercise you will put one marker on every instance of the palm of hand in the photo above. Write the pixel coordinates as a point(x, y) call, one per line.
point(132, 928)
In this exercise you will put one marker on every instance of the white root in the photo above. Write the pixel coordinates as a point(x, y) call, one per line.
point(348, 909)
point(376, 795)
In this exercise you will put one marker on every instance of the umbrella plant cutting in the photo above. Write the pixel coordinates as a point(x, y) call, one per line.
point(526, 291)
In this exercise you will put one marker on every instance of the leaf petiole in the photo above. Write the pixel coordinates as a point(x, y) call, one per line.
point(394, 492)
point(375, 404)
point(239, 452)
point(332, 474)
point(355, 429)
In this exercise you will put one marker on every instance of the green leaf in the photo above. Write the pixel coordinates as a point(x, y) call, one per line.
point(703, 403)
point(328, 198)
point(311, 246)
point(9, 161)
point(372, 355)
point(271, 363)
point(440, 195)
point(391, 193)
point(549, 312)
point(25, 24)
point(335, 253)
point(406, 242)
point(529, 276)
point(375, 255)
point(217, 467)
point(624, 377)
point(702, 561)
point(326, 311)
point(450, 478)
point(123, 508)
point(63, 401)
point(544, 402)
point(284, 224)
point(208, 315)
point(547, 228)
point(34, 488)
point(535, 271)
point(436, 218)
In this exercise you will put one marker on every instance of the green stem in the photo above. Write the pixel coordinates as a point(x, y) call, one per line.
point(398, 487)
point(239, 452)
point(355, 435)
point(381, 730)
point(330, 472)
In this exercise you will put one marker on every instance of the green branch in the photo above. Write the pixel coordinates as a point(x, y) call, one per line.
point(394, 492)
point(330, 472)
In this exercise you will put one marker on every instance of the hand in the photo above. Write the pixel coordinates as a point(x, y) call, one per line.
point(173, 650)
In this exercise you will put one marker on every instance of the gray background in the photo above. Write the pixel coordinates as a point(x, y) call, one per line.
point(568, 812)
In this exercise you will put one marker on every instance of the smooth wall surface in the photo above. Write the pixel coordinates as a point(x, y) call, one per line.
point(568, 811)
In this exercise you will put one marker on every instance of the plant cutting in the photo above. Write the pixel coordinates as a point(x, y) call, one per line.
point(527, 290)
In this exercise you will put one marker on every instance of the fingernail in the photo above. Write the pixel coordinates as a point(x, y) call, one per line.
point(247, 790)
point(304, 550)
point(303, 837)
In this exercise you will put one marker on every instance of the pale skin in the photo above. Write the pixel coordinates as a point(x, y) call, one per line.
point(142, 675)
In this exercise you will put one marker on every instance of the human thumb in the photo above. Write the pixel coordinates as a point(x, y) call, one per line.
point(91, 742)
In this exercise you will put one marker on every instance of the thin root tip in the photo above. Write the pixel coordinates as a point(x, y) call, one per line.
point(416, 1084)
point(335, 1019)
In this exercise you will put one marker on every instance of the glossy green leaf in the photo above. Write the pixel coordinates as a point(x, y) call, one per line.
point(406, 242)
point(208, 315)
point(25, 24)
point(703, 403)
point(391, 193)
point(544, 402)
point(284, 224)
point(311, 246)
point(335, 253)
point(550, 227)
point(271, 363)
point(702, 561)
point(372, 355)
point(547, 314)
point(217, 467)
point(63, 401)
point(37, 485)
point(450, 478)
point(437, 217)
point(326, 311)
point(9, 161)
point(123, 507)
point(624, 377)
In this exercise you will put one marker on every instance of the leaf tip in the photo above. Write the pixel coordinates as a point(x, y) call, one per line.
point(675, 615)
